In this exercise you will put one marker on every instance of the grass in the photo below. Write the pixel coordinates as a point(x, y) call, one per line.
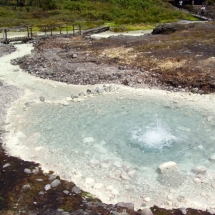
point(131, 15)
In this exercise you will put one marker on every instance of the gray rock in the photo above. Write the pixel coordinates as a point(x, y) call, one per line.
point(27, 171)
point(168, 167)
point(74, 97)
point(66, 192)
point(39, 179)
point(6, 165)
point(74, 55)
point(47, 187)
point(41, 193)
point(199, 170)
point(146, 211)
point(42, 98)
point(125, 205)
point(35, 170)
point(99, 89)
point(194, 90)
point(76, 190)
point(26, 187)
point(181, 198)
point(139, 81)
point(60, 210)
point(55, 183)
point(52, 177)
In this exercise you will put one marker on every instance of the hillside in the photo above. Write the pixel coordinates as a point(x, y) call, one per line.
point(90, 13)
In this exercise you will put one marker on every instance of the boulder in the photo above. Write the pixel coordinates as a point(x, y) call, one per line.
point(164, 29)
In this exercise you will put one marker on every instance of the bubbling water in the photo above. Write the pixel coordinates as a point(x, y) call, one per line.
point(154, 136)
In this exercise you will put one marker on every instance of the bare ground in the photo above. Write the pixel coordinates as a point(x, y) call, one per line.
point(183, 60)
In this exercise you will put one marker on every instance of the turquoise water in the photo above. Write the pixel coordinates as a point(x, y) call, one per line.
point(121, 142)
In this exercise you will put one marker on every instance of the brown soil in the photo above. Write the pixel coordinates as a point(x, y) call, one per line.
point(183, 60)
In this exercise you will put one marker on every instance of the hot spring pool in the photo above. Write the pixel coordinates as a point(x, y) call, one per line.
point(112, 146)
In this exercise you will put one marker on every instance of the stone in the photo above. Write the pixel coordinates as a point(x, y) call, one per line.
point(52, 177)
point(164, 29)
point(55, 183)
point(35, 170)
point(146, 211)
point(125, 205)
point(6, 165)
point(76, 190)
point(88, 140)
point(66, 192)
point(41, 193)
point(147, 199)
point(74, 55)
point(194, 90)
point(99, 89)
point(47, 187)
point(199, 170)
point(181, 198)
point(27, 171)
point(26, 187)
point(212, 158)
point(169, 197)
point(168, 167)
point(197, 180)
point(42, 98)
point(39, 179)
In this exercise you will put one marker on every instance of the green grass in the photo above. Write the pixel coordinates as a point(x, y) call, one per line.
point(132, 14)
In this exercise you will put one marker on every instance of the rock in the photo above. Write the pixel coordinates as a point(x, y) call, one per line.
point(169, 197)
point(212, 158)
point(6, 165)
point(125, 176)
point(199, 170)
point(47, 187)
point(99, 89)
point(42, 98)
point(55, 183)
point(52, 177)
point(125, 205)
point(146, 211)
point(168, 167)
point(164, 29)
point(26, 187)
point(88, 140)
point(74, 97)
point(74, 55)
point(197, 180)
point(88, 91)
point(66, 192)
point(41, 193)
point(139, 81)
point(27, 171)
point(147, 199)
point(35, 170)
point(39, 179)
point(183, 210)
point(181, 198)
point(76, 190)
point(194, 90)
